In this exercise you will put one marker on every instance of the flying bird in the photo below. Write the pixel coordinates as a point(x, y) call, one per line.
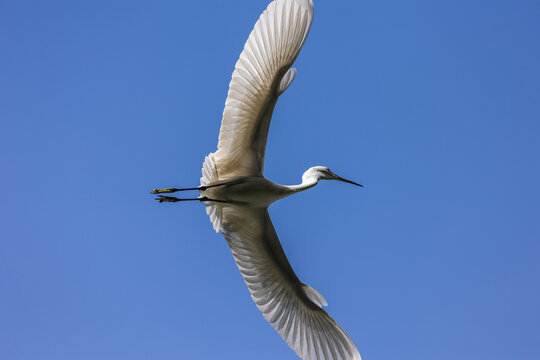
point(237, 195)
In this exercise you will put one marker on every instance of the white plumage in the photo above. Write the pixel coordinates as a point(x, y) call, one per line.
point(237, 195)
point(292, 308)
point(271, 49)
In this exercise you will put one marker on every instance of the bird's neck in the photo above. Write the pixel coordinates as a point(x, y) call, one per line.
point(307, 183)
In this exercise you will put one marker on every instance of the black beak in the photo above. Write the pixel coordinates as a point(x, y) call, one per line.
point(347, 181)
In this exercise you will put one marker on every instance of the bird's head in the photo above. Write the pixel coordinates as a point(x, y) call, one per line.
point(324, 173)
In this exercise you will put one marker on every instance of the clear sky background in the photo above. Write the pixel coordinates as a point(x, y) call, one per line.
point(433, 105)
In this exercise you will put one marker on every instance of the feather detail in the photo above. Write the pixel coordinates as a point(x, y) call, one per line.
point(314, 296)
point(261, 74)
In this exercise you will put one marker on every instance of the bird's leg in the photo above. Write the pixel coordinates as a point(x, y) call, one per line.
point(162, 198)
point(200, 188)
point(172, 190)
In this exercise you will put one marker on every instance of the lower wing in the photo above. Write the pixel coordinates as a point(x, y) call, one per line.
point(292, 308)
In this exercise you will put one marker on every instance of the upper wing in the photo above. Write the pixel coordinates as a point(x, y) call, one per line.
point(292, 308)
point(261, 74)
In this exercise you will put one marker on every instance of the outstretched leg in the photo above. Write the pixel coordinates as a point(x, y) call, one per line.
point(200, 188)
point(162, 198)
point(172, 190)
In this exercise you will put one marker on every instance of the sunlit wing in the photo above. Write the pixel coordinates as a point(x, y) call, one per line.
point(292, 308)
point(261, 74)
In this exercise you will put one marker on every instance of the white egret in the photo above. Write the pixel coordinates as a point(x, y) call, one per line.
point(237, 195)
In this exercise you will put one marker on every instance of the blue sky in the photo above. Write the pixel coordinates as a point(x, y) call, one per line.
point(434, 106)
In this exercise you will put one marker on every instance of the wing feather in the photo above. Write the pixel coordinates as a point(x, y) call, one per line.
point(271, 49)
point(276, 290)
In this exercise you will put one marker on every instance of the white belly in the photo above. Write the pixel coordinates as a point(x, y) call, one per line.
point(251, 191)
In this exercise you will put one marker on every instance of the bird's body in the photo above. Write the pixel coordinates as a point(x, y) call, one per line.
point(237, 195)
point(249, 191)
point(257, 191)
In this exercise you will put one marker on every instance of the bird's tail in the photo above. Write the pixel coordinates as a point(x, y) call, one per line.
point(209, 176)
point(209, 171)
